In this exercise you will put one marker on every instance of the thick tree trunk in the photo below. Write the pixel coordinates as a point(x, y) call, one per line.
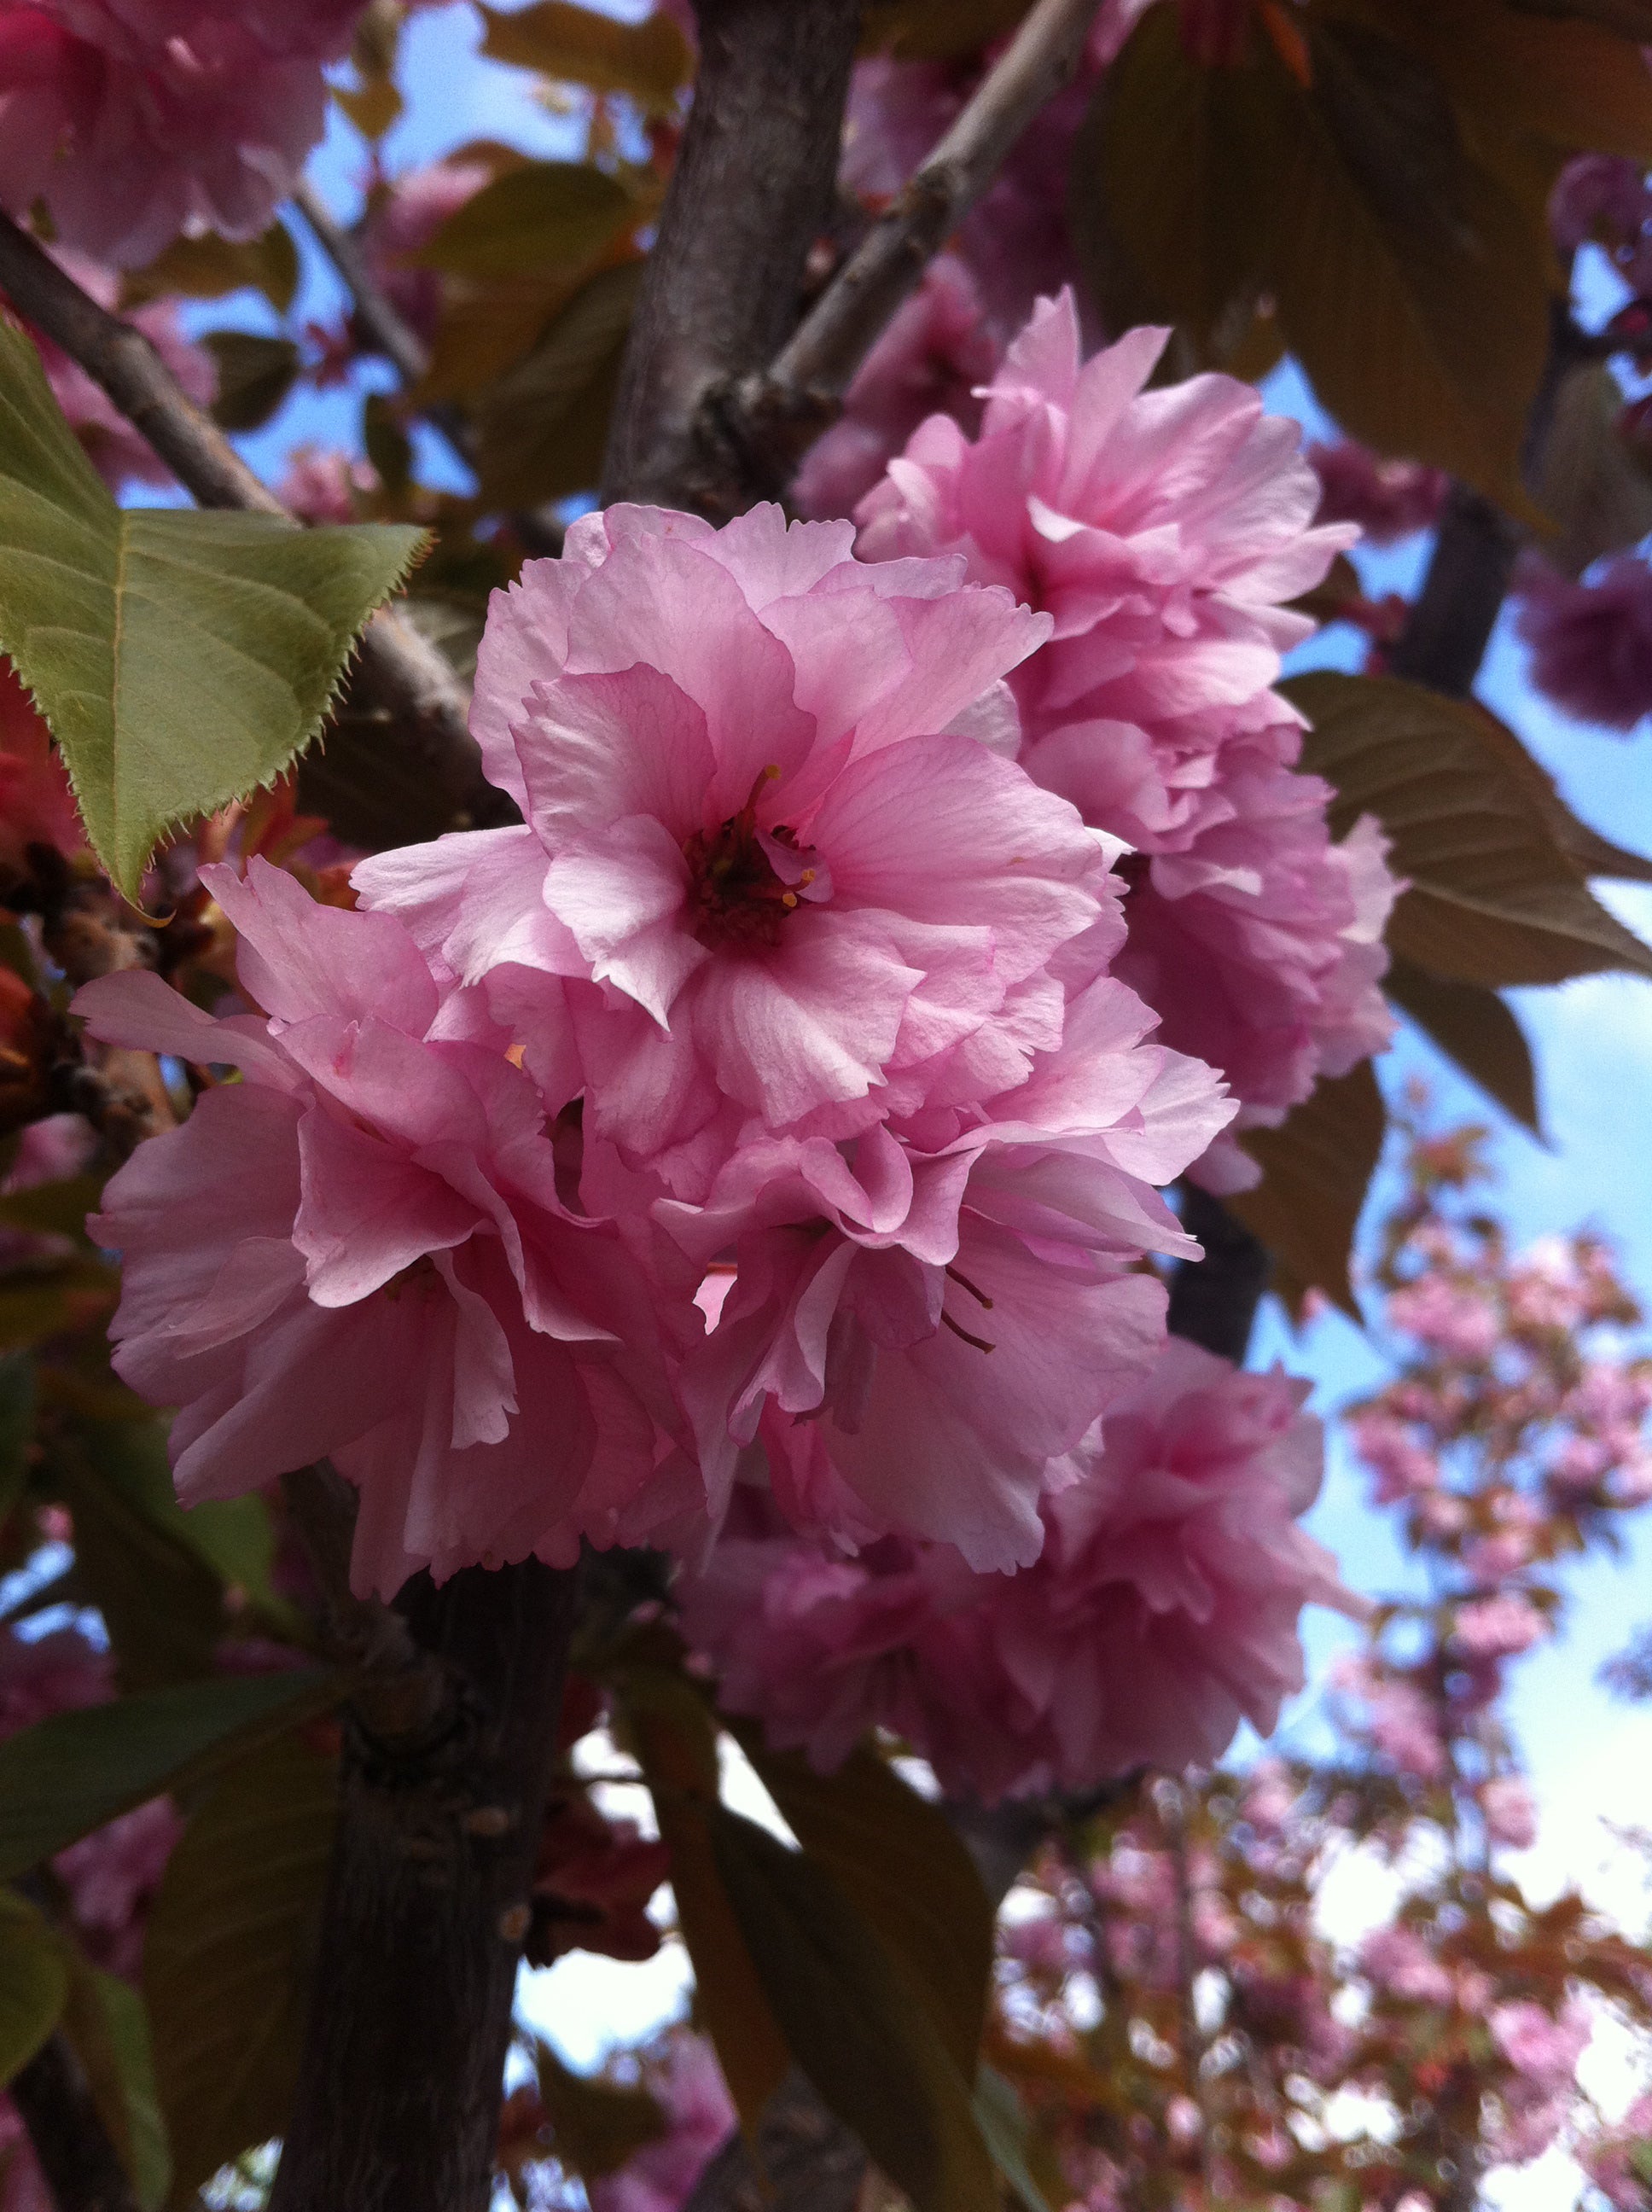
point(398, 2097)
point(752, 193)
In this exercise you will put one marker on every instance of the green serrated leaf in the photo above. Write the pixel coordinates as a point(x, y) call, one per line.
point(180, 659)
point(33, 1983)
point(1003, 2122)
point(106, 2026)
point(228, 1954)
point(68, 1775)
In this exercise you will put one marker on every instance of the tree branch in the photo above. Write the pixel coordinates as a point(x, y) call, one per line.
point(376, 317)
point(402, 689)
point(66, 2133)
point(428, 1902)
point(751, 192)
point(790, 403)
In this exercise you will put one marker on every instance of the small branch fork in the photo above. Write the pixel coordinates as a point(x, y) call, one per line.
point(784, 407)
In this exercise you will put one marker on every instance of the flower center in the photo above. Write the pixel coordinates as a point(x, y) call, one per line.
point(744, 880)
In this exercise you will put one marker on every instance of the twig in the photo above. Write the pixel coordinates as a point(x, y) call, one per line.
point(751, 192)
point(397, 668)
point(376, 316)
point(66, 2133)
point(819, 362)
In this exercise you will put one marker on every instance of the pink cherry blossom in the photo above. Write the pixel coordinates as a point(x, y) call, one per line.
point(699, 2116)
point(136, 119)
point(1399, 1961)
point(321, 484)
point(776, 876)
point(1386, 500)
point(1616, 2161)
point(1599, 196)
point(376, 1200)
point(1537, 2045)
point(1498, 1627)
point(1509, 1812)
point(1591, 642)
point(929, 359)
point(1162, 531)
point(1448, 1317)
point(1162, 1610)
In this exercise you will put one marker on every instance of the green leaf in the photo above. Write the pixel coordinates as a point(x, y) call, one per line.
point(1472, 1027)
point(1496, 897)
point(33, 1983)
point(851, 2021)
point(1316, 1170)
point(535, 220)
point(255, 375)
point(181, 658)
point(596, 2125)
point(904, 1871)
point(210, 267)
point(541, 428)
point(68, 1775)
point(650, 61)
point(52, 1209)
point(228, 1955)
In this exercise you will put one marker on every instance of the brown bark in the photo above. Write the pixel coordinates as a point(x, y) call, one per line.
point(751, 192)
point(399, 2095)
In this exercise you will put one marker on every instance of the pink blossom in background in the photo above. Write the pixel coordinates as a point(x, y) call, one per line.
point(376, 1199)
point(401, 221)
point(117, 453)
point(1399, 1962)
point(1403, 1726)
point(699, 2116)
point(1453, 1319)
point(138, 120)
point(928, 360)
point(1537, 2045)
point(1509, 1812)
point(1384, 500)
point(1599, 196)
point(321, 484)
point(1616, 2161)
point(1162, 531)
point(110, 1877)
point(1591, 642)
point(1498, 1627)
point(1162, 1610)
point(37, 806)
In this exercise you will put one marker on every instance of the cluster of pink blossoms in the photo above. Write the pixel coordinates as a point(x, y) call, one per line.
point(135, 120)
point(1161, 529)
point(1161, 1612)
point(771, 1115)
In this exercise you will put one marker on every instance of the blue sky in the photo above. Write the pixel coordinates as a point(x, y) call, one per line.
point(1592, 1040)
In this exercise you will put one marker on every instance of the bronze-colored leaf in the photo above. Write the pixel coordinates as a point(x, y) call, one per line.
point(596, 2125)
point(255, 375)
point(1499, 895)
point(936, 30)
point(229, 1952)
point(1589, 480)
point(905, 1872)
point(870, 2048)
point(1315, 1172)
point(650, 60)
point(1473, 1028)
point(209, 267)
point(541, 428)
